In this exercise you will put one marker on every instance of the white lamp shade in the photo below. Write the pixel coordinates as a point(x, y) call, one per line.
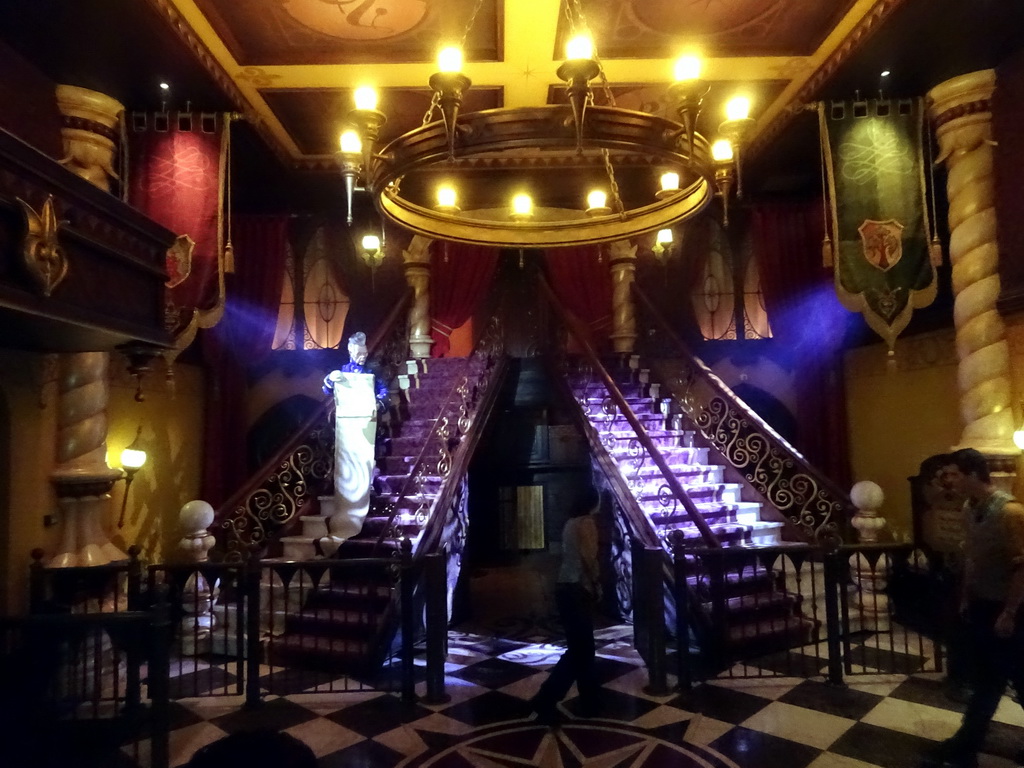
point(350, 142)
point(450, 59)
point(597, 199)
point(132, 458)
point(687, 68)
point(670, 180)
point(522, 205)
point(366, 97)
point(664, 237)
point(446, 196)
point(738, 108)
point(579, 47)
point(371, 243)
point(721, 151)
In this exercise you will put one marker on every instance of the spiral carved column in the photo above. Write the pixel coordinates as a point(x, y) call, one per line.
point(622, 258)
point(417, 275)
point(961, 109)
point(82, 478)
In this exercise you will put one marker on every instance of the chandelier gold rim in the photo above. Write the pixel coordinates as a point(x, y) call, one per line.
point(481, 135)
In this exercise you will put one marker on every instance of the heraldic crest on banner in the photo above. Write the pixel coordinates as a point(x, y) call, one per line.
point(883, 262)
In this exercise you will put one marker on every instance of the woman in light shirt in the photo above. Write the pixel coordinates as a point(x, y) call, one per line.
point(576, 594)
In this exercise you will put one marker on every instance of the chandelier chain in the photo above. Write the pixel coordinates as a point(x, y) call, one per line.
point(612, 183)
point(470, 23)
point(435, 100)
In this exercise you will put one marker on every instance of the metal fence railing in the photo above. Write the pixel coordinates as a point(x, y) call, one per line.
point(783, 611)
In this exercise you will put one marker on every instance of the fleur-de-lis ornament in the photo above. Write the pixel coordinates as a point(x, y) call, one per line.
point(44, 258)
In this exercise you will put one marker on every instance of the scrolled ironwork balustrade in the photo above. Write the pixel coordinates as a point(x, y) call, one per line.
point(802, 493)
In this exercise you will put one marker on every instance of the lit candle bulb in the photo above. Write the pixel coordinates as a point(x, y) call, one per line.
point(721, 151)
point(366, 97)
point(371, 243)
point(664, 237)
point(597, 199)
point(446, 197)
point(687, 68)
point(579, 47)
point(737, 108)
point(669, 181)
point(522, 206)
point(450, 59)
point(351, 143)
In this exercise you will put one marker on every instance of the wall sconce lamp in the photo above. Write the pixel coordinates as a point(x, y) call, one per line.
point(1018, 434)
point(736, 128)
point(662, 244)
point(372, 253)
point(132, 459)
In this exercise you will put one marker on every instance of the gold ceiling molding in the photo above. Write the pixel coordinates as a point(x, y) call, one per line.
point(808, 91)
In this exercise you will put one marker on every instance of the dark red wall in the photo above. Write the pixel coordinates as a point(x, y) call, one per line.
point(1008, 128)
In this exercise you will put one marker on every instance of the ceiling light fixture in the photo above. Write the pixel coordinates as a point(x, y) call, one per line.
point(886, 73)
point(537, 154)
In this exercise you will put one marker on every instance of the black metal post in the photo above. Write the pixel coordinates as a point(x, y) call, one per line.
point(714, 559)
point(407, 587)
point(834, 631)
point(159, 681)
point(683, 675)
point(657, 674)
point(436, 591)
point(253, 648)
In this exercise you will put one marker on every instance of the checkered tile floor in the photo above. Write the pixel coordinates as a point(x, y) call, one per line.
point(878, 720)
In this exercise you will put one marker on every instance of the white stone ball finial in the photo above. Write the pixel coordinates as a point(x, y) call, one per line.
point(195, 518)
point(868, 498)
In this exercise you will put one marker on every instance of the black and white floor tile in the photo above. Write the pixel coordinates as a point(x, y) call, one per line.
point(879, 719)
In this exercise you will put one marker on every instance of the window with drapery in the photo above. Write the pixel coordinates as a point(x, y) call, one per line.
point(728, 301)
point(314, 304)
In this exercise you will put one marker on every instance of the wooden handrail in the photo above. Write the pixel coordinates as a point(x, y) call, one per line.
point(577, 329)
point(323, 411)
point(715, 383)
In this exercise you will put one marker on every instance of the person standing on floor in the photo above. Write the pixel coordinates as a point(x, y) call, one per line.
point(576, 595)
point(992, 596)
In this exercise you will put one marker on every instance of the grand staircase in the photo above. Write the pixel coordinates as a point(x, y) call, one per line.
point(344, 616)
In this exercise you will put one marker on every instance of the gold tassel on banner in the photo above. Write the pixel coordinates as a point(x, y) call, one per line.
point(827, 251)
point(229, 258)
point(934, 243)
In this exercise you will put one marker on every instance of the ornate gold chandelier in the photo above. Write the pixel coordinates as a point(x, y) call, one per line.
point(595, 169)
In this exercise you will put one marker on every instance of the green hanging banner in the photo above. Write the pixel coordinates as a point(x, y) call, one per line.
point(883, 262)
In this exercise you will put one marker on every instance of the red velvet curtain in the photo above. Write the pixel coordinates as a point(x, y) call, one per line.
point(460, 276)
point(581, 279)
point(809, 323)
point(241, 338)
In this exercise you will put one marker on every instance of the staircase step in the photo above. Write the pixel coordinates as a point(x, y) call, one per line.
point(299, 547)
point(721, 493)
point(759, 534)
point(759, 606)
point(336, 624)
point(745, 513)
point(687, 473)
point(314, 526)
point(675, 456)
point(314, 652)
point(393, 484)
point(765, 635)
point(407, 523)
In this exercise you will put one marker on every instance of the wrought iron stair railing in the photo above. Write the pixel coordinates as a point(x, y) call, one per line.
point(279, 491)
point(818, 509)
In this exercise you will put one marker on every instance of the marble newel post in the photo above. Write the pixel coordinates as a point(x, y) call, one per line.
point(961, 109)
point(622, 257)
point(82, 478)
point(417, 275)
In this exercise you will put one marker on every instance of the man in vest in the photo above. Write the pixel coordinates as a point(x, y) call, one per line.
point(992, 595)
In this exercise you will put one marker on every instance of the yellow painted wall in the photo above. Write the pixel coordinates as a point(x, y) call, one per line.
point(901, 413)
point(172, 432)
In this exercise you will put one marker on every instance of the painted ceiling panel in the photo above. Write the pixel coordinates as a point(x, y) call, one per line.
point(293, 32)
point(658, 28)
